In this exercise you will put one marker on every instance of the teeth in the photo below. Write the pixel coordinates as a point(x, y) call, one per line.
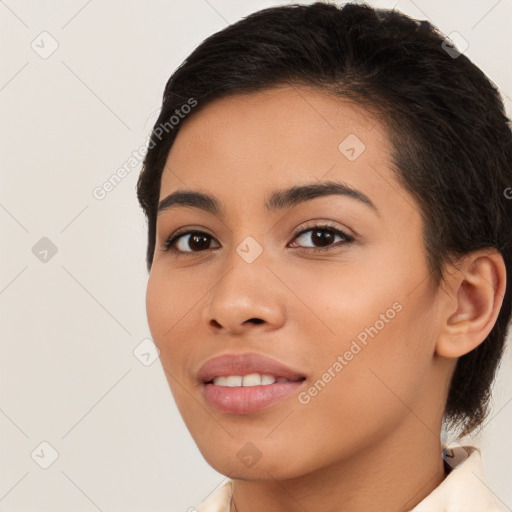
point(252, 379)
point(233, 381)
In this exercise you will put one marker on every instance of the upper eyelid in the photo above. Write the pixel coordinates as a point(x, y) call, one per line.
point(307, 227)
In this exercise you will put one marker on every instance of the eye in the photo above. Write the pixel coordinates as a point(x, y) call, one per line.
point(182, 242)
point(195, 241)
point(323, 235)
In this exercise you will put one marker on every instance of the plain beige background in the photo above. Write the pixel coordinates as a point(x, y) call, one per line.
point(81, 391)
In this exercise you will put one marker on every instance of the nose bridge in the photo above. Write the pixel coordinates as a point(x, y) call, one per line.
point(248, 238)
point(245, 268)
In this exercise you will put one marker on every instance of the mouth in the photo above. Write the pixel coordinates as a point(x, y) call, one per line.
point(249, 380)
point(247, 383)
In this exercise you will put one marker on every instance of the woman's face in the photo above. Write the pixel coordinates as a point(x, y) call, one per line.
point(351, 315)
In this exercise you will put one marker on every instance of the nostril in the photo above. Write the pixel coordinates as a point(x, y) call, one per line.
point(255, 320)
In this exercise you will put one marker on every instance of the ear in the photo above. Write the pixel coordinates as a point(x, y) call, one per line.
point(475, 295)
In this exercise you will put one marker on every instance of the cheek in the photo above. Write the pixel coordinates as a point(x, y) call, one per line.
point(165, 306)
point(372, 388)
point(379, 328)
point(173, 307)
point(169, 302)
point(166, 312)
point(156, 305)
point(341, 301)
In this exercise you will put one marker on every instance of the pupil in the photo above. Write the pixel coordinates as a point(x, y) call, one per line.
point(324, 239)
point(198, 245)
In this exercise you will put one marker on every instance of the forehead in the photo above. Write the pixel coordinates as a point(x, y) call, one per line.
point(246, 145)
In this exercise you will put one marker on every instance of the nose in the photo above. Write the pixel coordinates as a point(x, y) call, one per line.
point(247, 296)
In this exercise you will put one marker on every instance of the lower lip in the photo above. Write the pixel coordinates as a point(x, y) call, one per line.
point(244, 400)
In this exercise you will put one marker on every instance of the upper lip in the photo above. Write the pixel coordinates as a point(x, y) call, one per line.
point(244, 364)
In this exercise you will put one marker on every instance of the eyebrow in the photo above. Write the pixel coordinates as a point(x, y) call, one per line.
point(278, 200)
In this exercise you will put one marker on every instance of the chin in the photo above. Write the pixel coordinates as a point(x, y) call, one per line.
point(249, 463)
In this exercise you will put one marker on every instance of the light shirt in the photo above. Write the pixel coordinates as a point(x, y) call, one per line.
point(465, 488)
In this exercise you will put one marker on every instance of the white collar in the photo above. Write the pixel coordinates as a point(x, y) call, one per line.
point(465, 489)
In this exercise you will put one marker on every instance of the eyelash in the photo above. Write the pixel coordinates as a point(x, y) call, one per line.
point(348, 239)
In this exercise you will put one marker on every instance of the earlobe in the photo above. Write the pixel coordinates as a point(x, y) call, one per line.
point(477, 290)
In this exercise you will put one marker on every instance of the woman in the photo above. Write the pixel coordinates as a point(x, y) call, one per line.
point(329, 247)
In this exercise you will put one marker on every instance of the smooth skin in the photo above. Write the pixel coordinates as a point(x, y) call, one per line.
point(370, 439)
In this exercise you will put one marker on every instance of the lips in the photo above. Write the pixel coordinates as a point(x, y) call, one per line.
point(268, 382)
point(246, 364)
